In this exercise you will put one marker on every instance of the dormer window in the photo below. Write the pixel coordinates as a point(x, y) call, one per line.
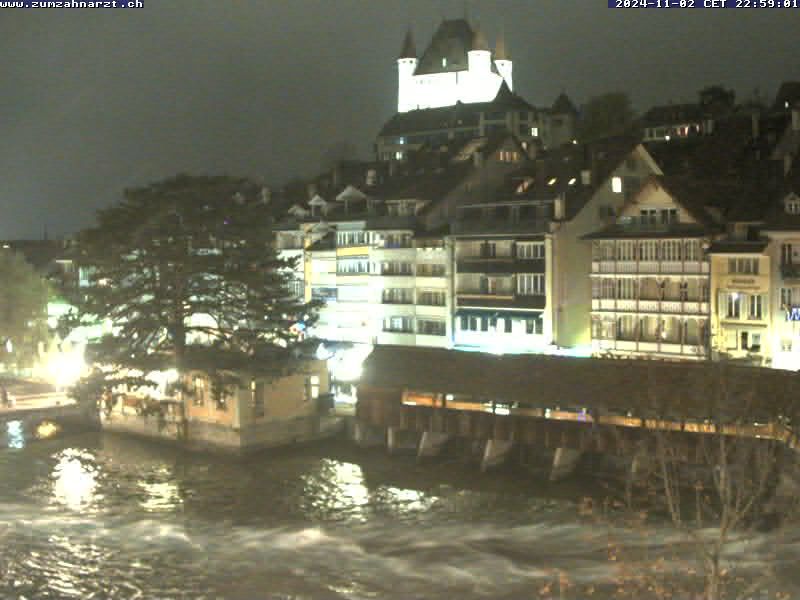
point(616, 185)
point(444, 62)
point(793, 206)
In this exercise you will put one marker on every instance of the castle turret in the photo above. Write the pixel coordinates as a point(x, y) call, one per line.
point(502, 61)
point(479, 57)
point(406, 65)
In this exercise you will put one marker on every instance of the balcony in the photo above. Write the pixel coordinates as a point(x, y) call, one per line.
point(650, 267)
point(500, 264)
point(667, 307)
point(498, 299)
point(495, 225)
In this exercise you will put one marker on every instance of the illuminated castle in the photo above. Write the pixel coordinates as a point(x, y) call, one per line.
point(457, 66)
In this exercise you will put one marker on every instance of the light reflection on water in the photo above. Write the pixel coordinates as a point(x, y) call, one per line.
point(97, 516)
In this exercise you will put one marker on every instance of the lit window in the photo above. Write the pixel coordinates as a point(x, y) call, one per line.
point(398, 155)
point(534, 132)
point(552, 181)
point(616, 185)
point(444, 61)
point(793, 206)
point(572, 181)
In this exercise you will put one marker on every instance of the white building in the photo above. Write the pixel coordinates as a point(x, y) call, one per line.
point(457, 66)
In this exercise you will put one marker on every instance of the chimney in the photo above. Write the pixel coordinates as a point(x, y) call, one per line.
point(756, 121)
point(559, 208)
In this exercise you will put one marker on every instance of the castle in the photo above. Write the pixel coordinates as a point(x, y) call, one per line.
point(457, 66)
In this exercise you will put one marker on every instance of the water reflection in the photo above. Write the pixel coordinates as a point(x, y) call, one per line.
point(75, 479)
point(15, 434)
point(160, 496)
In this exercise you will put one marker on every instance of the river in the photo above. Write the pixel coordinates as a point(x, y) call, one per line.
point(94, 516)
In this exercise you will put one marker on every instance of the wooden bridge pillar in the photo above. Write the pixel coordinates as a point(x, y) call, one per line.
point(495, 453)
point(398, 440)
point(564, 462)
point(431, 444)
point(368, 436)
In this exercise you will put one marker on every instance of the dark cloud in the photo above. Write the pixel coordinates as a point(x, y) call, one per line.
point(93, 101)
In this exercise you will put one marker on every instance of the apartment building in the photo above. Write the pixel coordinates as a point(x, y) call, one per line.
point(651, 274)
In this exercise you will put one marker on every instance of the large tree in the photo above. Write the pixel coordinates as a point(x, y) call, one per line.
point(605, 115)
point(23, 310)
point(185, 272)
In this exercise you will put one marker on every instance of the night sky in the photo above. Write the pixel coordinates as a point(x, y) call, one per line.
point(94, 101)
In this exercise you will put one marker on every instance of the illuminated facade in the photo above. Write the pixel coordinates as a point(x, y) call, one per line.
point(651, 277)
point(457, 66)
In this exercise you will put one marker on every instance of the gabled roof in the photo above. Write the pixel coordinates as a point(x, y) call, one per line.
point(563, 106)
point(789, 92)
point(451, 42)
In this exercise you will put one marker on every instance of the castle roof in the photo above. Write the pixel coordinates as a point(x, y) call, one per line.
point(409, 49)
point(500, 50)
point(564, 106)
point(448, 49)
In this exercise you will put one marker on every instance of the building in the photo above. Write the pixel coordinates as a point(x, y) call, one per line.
point(460, 90)
point(262, 413)
point(651, 274)
point(457, 66)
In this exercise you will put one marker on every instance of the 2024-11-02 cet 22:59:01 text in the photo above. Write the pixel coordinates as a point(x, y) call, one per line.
point(765, 4)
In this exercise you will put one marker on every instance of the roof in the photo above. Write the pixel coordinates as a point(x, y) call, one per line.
point(448, 49)
point(668, 388)
point(673, 114)
point(500, 50)
point(738, 247)
point(409, 50)
point(639, 231)
point(788, 92)
point(563, 106)
point(455, 116)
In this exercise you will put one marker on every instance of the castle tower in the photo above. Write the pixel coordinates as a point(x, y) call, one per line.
point(479, 57)
point(502, 61)
point(406, 65)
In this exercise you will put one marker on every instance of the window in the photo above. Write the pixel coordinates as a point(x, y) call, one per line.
point(398, 296)
point(534, 132)
point(431, 298)
point(786, 345)
point(397, 240)
point(671, 250)
point(608, 289)
point(692, 250)
point(786, 254)
point(508, 325)
point(626, 251)
point(530, 250)
point(534, 326)
point(793, 206)
point(431, 327)
point(530, 284)
point(648, 251)
point(396, 268)
point(352, 266)
point(398, 324)
point(222, 400)
point(756, 307)
point(488, 250)
point(669, 215)
point(484, 324)
point(649, 216)
point(312, 388)
point(751, 341)
point(596, 288)
point(616, 185)
point(199, 391)
point(352, 238)
point(259, 390)
point(626, 289)
point(683, 291)
point(425, 270)
point(786, 297)
point(733, 302)
point(743, 266)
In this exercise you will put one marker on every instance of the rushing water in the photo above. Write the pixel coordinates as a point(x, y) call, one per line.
point(100, 516)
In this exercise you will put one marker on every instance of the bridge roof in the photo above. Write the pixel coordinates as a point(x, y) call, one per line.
point(687, 390)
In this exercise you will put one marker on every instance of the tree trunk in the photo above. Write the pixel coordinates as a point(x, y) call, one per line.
point(713, 577)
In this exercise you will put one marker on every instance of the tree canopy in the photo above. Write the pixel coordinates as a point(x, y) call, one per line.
point(605, 115)
point(23, 310)
point(186, 272)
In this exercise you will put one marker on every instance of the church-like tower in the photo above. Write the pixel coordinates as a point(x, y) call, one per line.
point(457, 66)
point(406, 65)
point(502, 60)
